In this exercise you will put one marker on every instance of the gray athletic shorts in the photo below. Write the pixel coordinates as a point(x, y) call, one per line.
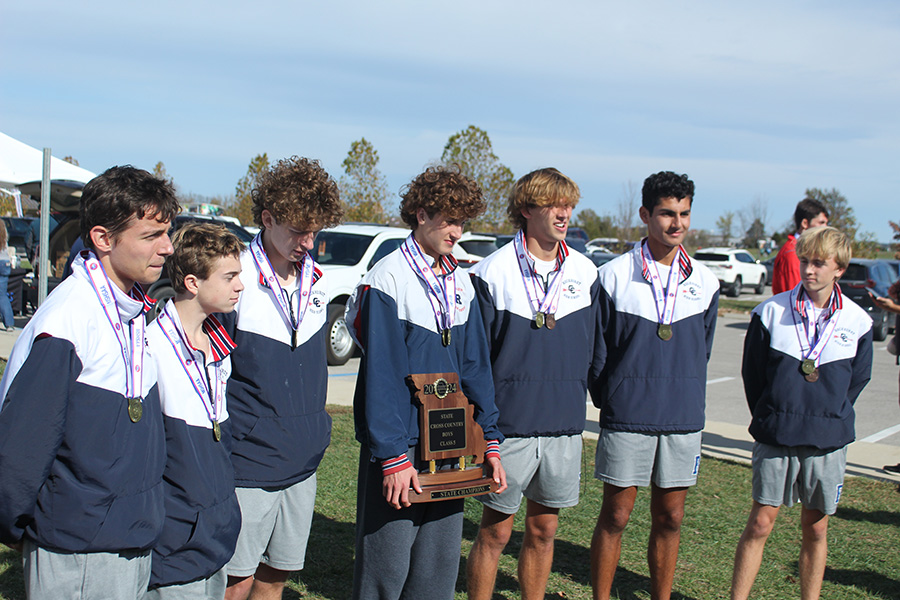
point(211, 588)
point(546, 470)
point(784, 475)
point(626, 459)
point(274, 528)
point(53, 575)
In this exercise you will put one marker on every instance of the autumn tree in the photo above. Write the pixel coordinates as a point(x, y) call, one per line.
point(71, 160)
point(840, 213)
point(364, 190)
point(471, 149)
point(242, 205)
point(627, 211)
point(594, 225)
point(725, 224)
point(159, 170)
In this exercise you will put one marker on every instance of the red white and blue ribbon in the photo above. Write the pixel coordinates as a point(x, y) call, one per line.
point(132, 344)
point(213, 399)
point(540, 300)
point(441, 291)
point(665, 297)
point(306, 274)
point(802, 308)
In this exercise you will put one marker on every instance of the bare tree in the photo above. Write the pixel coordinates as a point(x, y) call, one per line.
point(627, 210)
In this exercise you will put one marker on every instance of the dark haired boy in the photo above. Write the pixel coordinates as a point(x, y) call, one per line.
point(415, 312)
point(658, 313)
point(82, 447)
point(807, 357)
point(538, 299)
point(786, 269)
point(191, 350)
point(276, 394)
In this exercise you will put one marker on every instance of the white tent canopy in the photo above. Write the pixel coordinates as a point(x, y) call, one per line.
point(20, 163)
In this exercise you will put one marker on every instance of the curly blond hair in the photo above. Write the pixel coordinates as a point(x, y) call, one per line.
point(544, 187)
point(441, 189)
point(300, 193)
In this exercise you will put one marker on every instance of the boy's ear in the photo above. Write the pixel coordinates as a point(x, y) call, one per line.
point(101, 239)
point(192, 284)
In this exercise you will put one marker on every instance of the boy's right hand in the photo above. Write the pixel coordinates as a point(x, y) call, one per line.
point(395, 487)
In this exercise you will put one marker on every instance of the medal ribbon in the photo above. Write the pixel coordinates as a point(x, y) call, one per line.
point(541, 301)
point(212, 400)
point(441, 295)
point(306, 273)
point(665, 298)
point(801, 309)
point(133, 348)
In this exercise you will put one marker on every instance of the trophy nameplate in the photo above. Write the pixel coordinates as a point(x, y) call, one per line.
point(447, 430)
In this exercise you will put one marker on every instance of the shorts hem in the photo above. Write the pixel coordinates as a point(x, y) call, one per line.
point(506, 510)
point(283, 566)
point(677, 483)
point(620, 483)
point(241, 573)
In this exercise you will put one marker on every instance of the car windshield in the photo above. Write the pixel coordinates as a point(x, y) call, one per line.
point(479, 247)
point(855, 272)
point(711, 256)
point(333, 248)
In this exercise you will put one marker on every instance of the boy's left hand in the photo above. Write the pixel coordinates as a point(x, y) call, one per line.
point(498, 473)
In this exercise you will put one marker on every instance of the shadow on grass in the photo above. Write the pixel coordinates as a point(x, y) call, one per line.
point(879, 517)
point(870, 581)
point(571, 561)
point(329, 559)
point(12, 582)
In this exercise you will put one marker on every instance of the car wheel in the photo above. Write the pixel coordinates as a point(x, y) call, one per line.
point(761, 287)
point(161, 295)
point(340, 345)
point(880, 327)
point(736, 287)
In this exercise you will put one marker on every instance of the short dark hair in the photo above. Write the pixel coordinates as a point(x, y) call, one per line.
point(120, 193)
point(808, 209)
point(665, 184)
point(197, 248)
point(298, 192)
point(441, 189)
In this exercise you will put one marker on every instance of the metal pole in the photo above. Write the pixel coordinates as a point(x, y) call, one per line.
point(44, 256)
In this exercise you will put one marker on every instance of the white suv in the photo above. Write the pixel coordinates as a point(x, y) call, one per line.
point(346, 253)
point(734, 268)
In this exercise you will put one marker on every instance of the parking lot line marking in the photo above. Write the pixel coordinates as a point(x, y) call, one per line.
point(719, 380)
point(877, 437)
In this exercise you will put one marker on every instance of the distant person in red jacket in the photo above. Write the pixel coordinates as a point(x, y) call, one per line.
point(786, 274)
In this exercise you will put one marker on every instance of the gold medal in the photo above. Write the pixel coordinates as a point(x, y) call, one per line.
point(539, 319)
point(808, 367)
point(445, 337)
point(135, 409)
point(664, 332)
point(813, 376)
point(551, 321)
point(217, 431)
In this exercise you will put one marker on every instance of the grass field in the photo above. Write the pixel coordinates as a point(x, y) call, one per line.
point(864, 539)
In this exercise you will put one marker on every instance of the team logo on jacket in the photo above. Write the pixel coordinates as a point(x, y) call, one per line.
point(844, 337)
point(692, 291)
point(571, 288)
point(317, 302)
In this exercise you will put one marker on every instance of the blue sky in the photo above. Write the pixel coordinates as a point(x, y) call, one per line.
point(752, 100)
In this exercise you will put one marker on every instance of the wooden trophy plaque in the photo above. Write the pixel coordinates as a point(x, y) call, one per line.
point(447, 430)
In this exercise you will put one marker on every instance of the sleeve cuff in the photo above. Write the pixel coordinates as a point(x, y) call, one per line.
point(493, 449)
point(395, 465)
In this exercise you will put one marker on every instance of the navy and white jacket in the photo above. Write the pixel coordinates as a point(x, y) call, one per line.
point(276, 394)
point(76, 475)
point(788, 410)
point(540, 375)
point(203, 517)
point(392, 320)
point(648, 385)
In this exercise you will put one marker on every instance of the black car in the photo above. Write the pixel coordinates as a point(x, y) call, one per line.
point(862, 277)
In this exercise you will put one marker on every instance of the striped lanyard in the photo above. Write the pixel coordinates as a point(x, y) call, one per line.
point(801, 309)
point(132, 344)
point(212, 399)
point(665, 298)
point(306, 273)
point(441, 291)
point(541, 301)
